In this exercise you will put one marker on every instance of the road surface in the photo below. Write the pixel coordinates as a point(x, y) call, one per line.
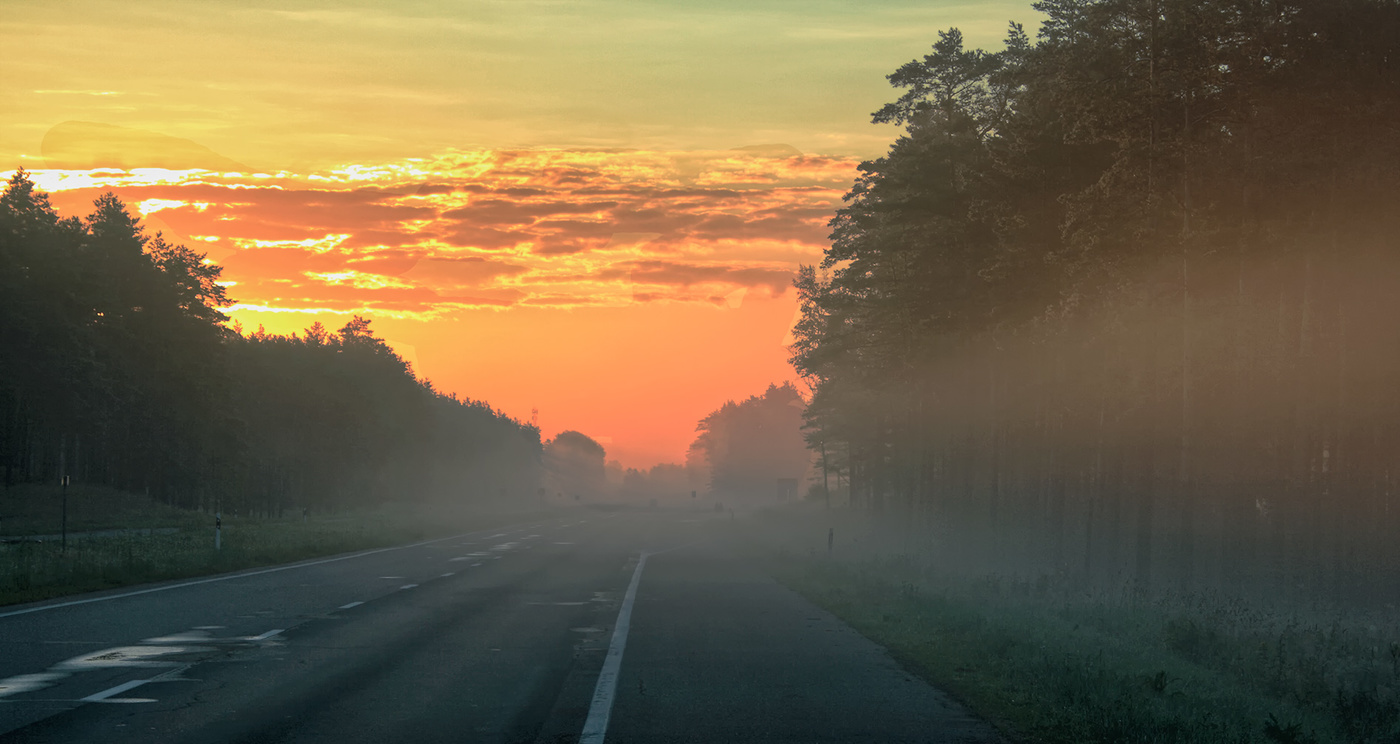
point(593, 626)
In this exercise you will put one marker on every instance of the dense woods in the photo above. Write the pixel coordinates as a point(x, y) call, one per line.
point(1122, 303)
point(116, 367)
point(575, 466)
point(753, 450)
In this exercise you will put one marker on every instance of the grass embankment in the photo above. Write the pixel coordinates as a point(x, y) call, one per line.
point(1048, 667)
point(32, 509)
point(163, 543)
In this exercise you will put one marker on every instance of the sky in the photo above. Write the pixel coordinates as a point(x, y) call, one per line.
point(589, 209)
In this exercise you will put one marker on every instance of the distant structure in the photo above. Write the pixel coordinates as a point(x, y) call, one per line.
point(787, 489)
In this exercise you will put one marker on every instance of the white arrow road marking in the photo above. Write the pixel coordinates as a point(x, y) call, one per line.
point(98, 697)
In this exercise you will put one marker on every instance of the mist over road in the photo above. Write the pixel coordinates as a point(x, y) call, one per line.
point(494, 636)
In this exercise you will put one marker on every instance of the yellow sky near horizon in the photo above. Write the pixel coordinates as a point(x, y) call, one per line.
point(539, 202)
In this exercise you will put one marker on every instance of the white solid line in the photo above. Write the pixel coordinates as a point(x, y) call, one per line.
point(228, 577)
point(119, 689)
point(596, 727)
point(267, 635)
point(348, 606)
point(407, 586)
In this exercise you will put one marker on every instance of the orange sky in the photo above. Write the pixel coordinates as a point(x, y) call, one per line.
point(562, 206)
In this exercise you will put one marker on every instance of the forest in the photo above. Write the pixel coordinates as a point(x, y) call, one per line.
point(117, 368)
point(1121, 305)
point(751, 449)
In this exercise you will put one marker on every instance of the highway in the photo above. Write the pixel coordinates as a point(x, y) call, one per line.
point(630, 626)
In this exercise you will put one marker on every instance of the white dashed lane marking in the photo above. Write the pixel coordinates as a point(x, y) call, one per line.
point(230, 577)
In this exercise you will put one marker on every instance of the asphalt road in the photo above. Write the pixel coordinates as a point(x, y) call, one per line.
point(505, 635)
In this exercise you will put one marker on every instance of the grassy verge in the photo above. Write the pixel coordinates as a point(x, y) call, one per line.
point(37, 509)
point(32, 571)
point(1054, 669)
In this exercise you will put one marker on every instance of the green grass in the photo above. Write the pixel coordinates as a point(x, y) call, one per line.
point(32, 571)
point(1052, 668)
point(34, 509)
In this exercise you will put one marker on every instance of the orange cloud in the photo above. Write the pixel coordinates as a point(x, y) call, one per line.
point(533, 227)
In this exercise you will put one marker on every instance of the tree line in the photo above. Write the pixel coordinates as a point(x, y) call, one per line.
point(1122, 303)
point(747, 453)
point(117, 367)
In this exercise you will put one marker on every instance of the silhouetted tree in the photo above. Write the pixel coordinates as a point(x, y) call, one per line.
point(576, 464)
point(750, 446)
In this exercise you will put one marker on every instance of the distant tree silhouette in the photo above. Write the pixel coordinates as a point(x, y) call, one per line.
point(576, 464)
point(749, 446)
point(665, 481)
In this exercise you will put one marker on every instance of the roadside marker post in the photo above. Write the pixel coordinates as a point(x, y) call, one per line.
point(218, 530)
point(64, 483)
point(826, 485)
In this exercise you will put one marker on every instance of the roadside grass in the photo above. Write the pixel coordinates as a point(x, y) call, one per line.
point(32, 571)
point(37, 509)
point(1053, 666)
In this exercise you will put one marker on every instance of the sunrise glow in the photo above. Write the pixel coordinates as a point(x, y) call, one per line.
point(558, 280)
point(540, 205)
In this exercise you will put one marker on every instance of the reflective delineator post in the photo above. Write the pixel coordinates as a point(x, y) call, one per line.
point(826, 485)
point(218, 530)
point(64, 483)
